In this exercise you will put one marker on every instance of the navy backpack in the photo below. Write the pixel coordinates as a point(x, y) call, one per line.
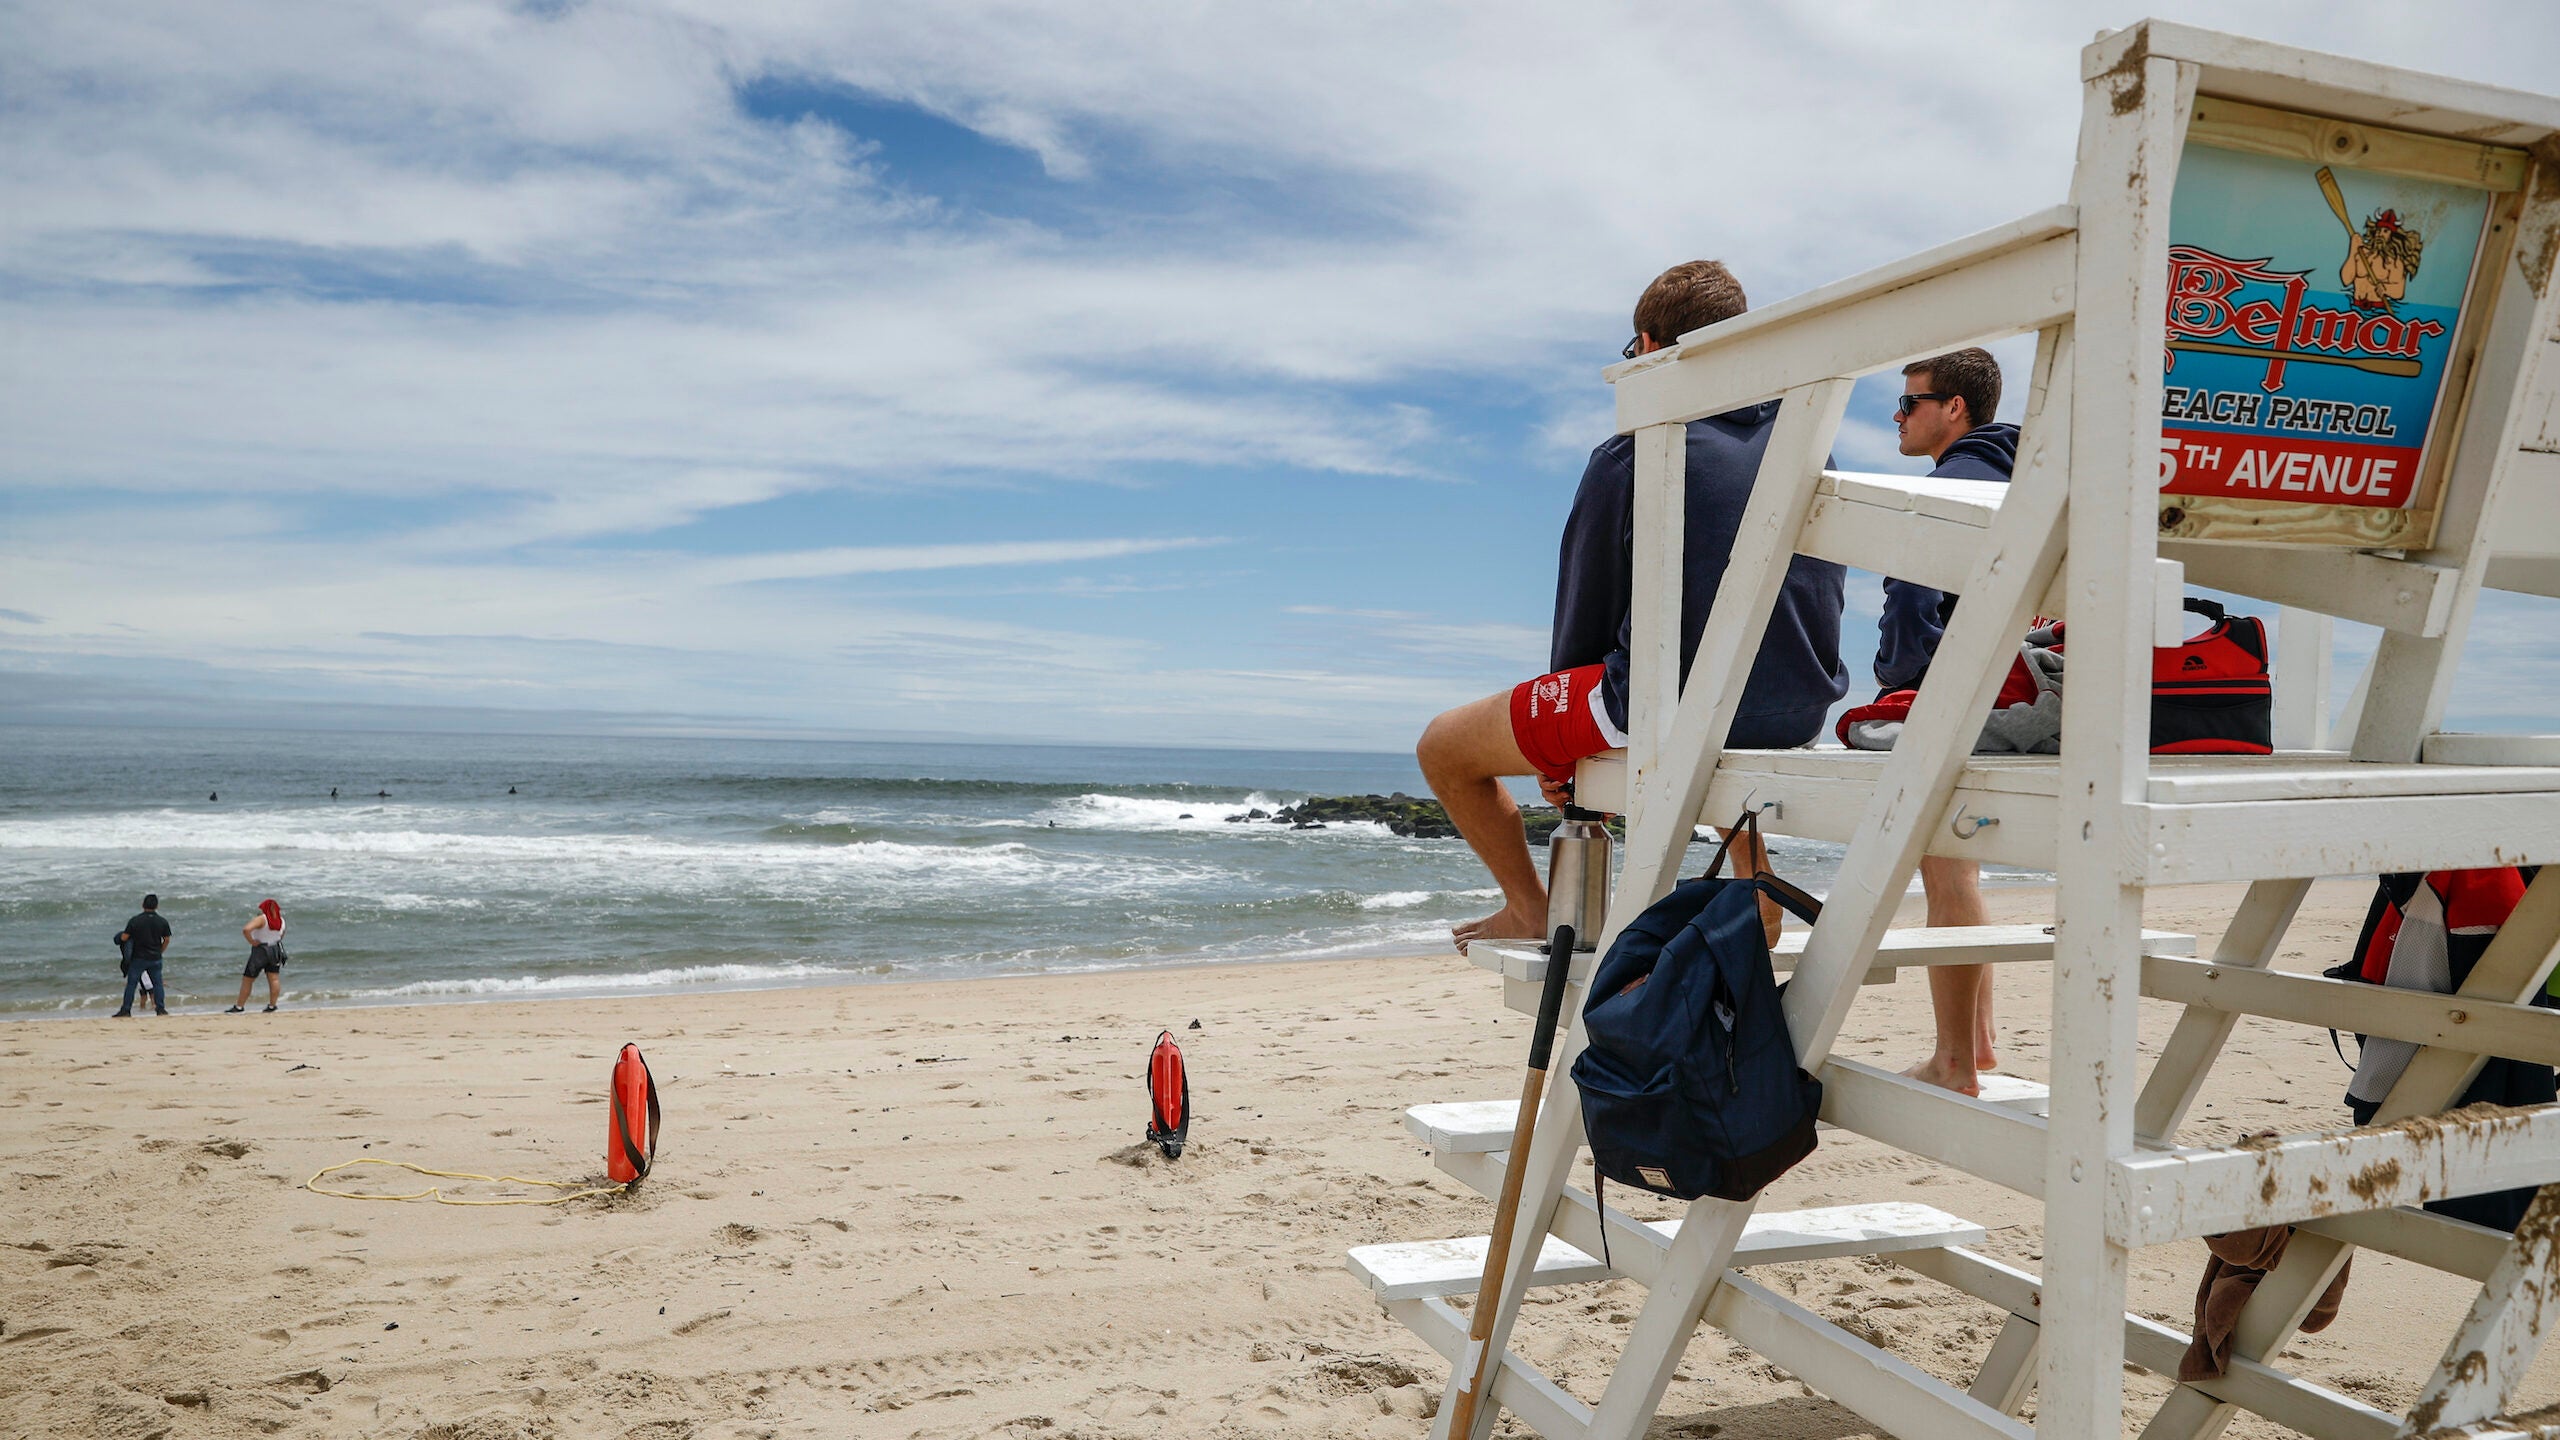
point(1689, 1081)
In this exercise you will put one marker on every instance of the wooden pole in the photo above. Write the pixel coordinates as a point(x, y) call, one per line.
point(1479, 1361)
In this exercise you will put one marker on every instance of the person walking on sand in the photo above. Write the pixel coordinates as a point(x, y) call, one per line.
point(1544, 725)
point(148, 937)
point(265, 934)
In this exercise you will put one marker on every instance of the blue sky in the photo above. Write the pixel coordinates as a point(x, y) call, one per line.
point(1169, 375)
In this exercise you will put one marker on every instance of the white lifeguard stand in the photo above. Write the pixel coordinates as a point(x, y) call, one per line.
point(2105, 522)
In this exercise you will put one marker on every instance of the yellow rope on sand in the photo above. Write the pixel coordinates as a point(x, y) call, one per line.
point(579, 1189)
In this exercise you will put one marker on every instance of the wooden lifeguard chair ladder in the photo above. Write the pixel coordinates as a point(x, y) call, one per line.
point(2116, 505)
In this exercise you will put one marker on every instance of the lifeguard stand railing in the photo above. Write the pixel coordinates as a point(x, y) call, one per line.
point(2288, 330)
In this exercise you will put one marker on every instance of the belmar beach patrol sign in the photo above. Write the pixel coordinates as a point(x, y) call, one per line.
point(2320, 278)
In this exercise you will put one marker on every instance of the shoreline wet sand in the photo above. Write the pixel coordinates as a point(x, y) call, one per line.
point(922, 1209)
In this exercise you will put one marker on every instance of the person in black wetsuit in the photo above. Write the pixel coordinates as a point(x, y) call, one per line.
point(149, 936)
point(1945, 413)
point(1544, 725)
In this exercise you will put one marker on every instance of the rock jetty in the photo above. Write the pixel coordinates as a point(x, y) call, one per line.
point(1402, 814)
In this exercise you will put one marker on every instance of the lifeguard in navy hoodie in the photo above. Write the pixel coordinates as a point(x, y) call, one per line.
point(1915, 616)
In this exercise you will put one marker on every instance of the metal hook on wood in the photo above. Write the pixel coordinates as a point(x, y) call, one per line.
point(1980, 824)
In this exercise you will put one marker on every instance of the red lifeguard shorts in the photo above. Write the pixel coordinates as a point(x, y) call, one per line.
point(1558, 719)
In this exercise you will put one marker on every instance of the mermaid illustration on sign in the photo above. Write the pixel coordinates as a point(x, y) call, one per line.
point(2381, 258)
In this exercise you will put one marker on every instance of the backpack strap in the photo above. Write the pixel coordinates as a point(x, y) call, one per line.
point(1715, 863)
point(630, 1149)
point(1803, 906)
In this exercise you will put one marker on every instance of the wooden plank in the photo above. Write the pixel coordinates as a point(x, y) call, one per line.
point(1931, 550)
point(1464, 1127)
point(1762, 355)
point(1910, 945)
point(2154, 1198)
point(2295, 1404)
point(2457, 748)
point(2200, 780)
point(1541, 1404)
point(2131, 122)
point(2024, 233)
point(2487, 1360)
point(1653, 676)
point(1993, 1142)
point(2008, 1373)
point(2368, 589)
point(2323, 140)
point(2524, 574)
point(2195, 844)
point(2439, 1242)
point(2482, 1027)
point(2284, 522)
point(2421, 1237)
point(2286, 78)
point(1921, 549)
point(1411, 1269)
point(1881, 1386)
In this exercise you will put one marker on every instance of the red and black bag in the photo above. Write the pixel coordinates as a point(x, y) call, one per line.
point(1168, 1097)
point(2212, 695)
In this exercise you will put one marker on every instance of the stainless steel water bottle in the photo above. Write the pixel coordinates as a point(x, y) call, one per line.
point(1578, 876)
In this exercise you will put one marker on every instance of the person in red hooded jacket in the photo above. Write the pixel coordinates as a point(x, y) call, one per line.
point(265, 934)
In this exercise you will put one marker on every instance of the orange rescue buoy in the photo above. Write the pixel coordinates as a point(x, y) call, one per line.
point(631, 1139)
point(1168, 1097)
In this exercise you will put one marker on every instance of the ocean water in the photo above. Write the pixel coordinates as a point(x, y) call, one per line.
point(619, 865)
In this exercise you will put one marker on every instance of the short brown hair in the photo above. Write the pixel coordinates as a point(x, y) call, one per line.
point(1688, 297)
point(1971, 375)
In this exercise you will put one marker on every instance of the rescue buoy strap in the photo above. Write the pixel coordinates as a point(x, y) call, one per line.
point(579, 1189)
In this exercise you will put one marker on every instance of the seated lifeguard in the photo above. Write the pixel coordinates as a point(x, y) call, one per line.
point(1945, 413)
point(1543, 726)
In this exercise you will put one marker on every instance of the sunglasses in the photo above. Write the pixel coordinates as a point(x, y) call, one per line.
point(1634, 348)
point(1903, 407)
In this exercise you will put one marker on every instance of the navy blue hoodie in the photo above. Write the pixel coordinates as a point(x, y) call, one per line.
point(1798, 673)
point(1915, 616)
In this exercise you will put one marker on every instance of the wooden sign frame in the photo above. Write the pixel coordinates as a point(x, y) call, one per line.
point(2503, 173)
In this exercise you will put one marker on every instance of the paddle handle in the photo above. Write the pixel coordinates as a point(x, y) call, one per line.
point(2337, 201)
point(1477, 1358)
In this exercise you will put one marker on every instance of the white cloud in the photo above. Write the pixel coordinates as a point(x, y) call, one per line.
point(530, 278)
point(893, 559)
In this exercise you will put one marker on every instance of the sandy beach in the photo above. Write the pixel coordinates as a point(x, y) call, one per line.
point(922, 1210)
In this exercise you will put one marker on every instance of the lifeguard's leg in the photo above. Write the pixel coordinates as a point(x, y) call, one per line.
point(1464, 754)
point(1960, 995)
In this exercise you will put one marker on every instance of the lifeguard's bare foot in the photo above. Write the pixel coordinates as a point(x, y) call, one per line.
point(1506, 923)
point(1947, 1075)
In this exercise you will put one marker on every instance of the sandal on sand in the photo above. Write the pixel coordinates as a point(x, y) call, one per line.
point(271, 1009)
point(234, 1010)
